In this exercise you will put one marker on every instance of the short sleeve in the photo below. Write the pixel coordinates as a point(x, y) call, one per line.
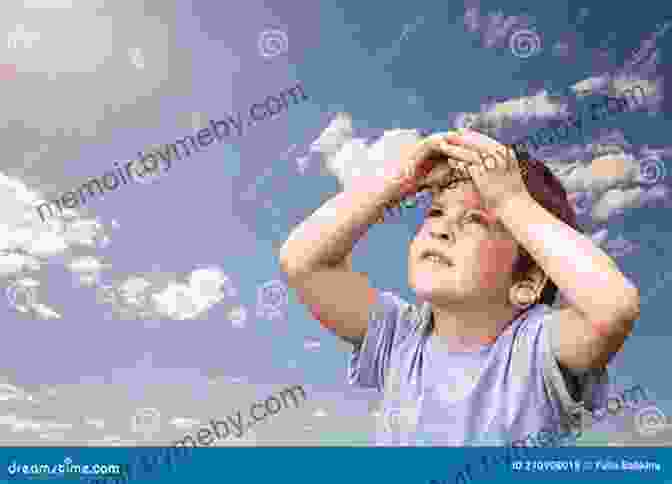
point(391, 320)
point(575, 393)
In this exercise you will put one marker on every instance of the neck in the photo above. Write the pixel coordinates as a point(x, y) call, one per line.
point(462, 327)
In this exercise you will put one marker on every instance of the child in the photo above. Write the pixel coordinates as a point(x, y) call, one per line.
point(482, 359)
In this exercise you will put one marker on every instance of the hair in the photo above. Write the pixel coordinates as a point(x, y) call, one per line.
point(546, 189)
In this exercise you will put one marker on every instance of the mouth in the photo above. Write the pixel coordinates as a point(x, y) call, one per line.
point(435, 257)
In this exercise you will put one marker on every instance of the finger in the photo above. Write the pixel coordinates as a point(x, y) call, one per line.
point(476, 171)
point(429, 146)
point(460, 153)
point(504, 157)
point(435, 176)
point(479, 139)
point(483, 145)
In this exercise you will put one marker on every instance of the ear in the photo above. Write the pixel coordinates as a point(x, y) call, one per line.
point(527, 290)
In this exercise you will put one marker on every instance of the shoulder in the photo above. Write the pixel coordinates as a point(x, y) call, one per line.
point(399, 316)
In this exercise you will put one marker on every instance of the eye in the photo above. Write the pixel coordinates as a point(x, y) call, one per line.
point(434, 212)
point(474, 217)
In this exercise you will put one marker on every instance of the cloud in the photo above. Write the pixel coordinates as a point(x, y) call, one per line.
point(352, 160)
point(162, 296)
point(614, 202)
point(86, 265)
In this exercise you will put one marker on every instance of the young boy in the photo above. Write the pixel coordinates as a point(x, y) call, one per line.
point(483, 359)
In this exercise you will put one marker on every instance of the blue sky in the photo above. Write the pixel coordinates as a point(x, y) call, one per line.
point(80, 102)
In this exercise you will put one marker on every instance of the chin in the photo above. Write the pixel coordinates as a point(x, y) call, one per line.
point(431, 291)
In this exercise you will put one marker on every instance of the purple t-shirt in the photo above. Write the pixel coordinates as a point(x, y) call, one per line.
point(497, 394)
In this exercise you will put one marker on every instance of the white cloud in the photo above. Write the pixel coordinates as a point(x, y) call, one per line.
point(334, 135)
point(591, 85)
point(86, 265)
point(616, 201)
point(45, 312)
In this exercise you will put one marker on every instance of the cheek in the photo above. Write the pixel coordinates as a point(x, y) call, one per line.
point(495, 257)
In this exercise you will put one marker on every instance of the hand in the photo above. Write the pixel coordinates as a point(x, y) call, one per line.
point(415, 163)
point(492, 166)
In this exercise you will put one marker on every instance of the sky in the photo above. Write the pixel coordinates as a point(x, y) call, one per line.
point(166, 294)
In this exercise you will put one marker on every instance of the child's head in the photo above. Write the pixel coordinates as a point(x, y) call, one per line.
point(477, 258)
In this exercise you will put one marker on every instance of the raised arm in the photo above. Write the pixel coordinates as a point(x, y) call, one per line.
point(316, 256)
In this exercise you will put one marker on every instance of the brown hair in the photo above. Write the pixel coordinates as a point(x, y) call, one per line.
point(546, 189)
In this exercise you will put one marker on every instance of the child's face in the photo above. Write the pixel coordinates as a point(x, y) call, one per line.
point(475, 253)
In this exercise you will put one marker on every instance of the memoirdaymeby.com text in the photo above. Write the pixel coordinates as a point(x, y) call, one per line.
point(151, 161)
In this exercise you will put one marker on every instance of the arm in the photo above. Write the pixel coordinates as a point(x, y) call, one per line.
point(603, 303)
point(316, 256)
